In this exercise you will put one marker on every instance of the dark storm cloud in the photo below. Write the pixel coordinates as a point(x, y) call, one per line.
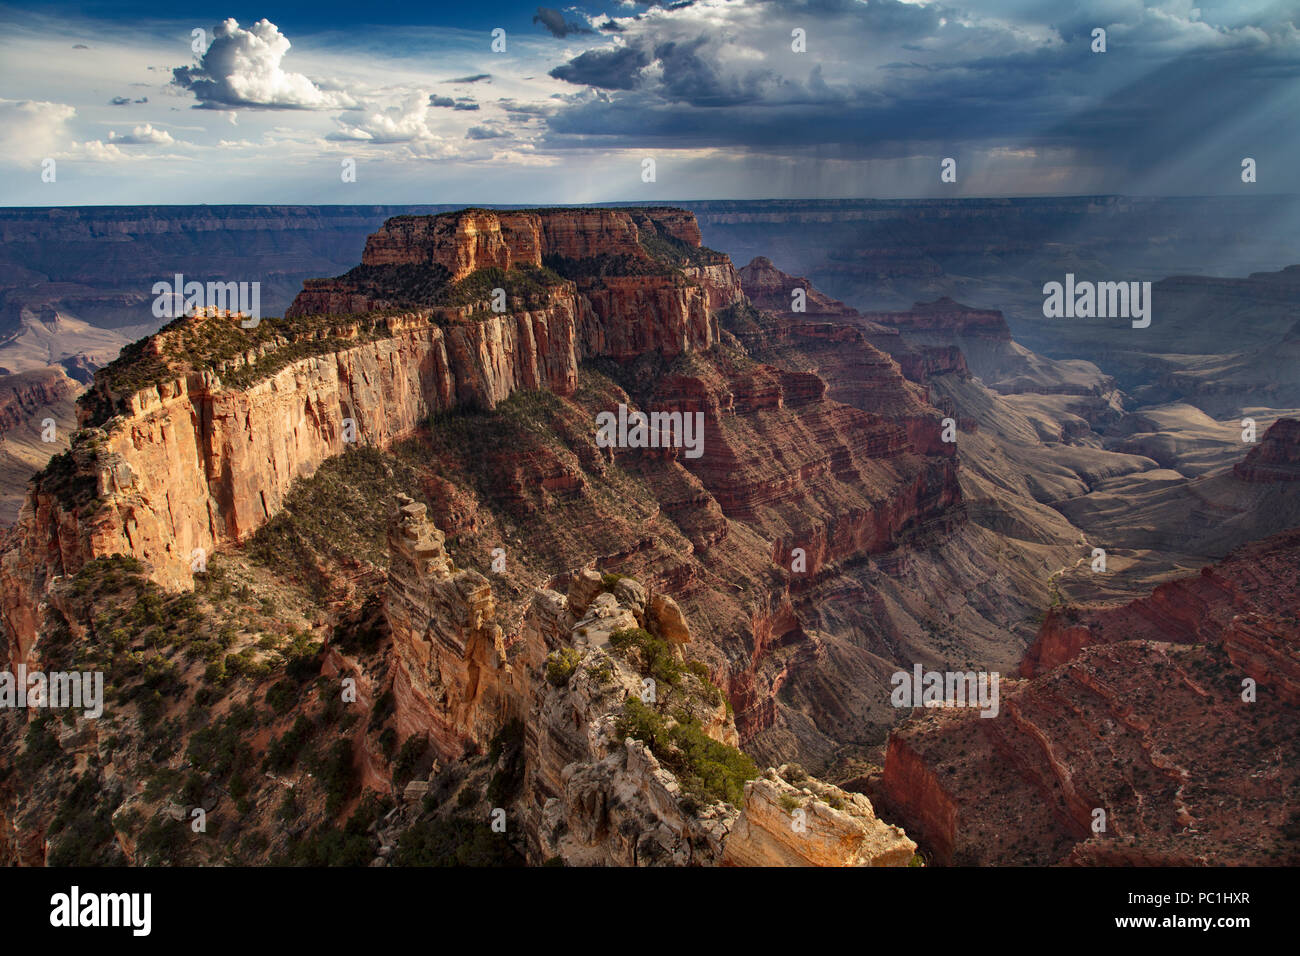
point(615, 69)
point(554, 21)
point(483, 132)
point(890, 79)
point(690, 77)
point(477, 77)
point(447, 102)
point(515, 108)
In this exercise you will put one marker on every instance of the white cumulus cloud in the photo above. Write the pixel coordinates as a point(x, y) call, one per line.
point(241, 68)
point(406, 123)
point(144, 135)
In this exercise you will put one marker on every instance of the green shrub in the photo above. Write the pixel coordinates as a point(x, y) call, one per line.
point(602, 671)
point(704, 766)
point(456, 841)
point(653, 656)
point(710, 691)
point(507, 748)
point(560, 665)
point(282, 696)
point(163, 841)
point(282, 752)
point(383, 709)
point(336, 774)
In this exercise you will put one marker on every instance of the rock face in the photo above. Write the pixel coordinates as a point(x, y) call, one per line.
point(594, 797)
point(191, 464)
point(204, 457)
point(833, 828)
point(821, 457)
point(22, 394)
point(591, 795)
point(196, 465)
point(630, 304)
point(1245, 604)
point(1276, 457)
point(473, 239)
point(1172, 714)
point(947, 318)
point(452, 680)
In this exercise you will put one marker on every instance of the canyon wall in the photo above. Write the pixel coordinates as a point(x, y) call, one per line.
point(190, 464)
point(593, 793)
point(23, 394)
point(1179, 721)
point(1276, 457)
point(196, 465)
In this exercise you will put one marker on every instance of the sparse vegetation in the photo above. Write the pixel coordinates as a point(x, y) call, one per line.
point(704, 766)
point(560, 665)
point(652, 656)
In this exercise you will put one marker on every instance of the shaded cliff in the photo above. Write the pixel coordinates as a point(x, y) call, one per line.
point(1276, 457)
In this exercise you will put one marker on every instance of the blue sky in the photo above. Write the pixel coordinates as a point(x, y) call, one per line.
point(280, 97)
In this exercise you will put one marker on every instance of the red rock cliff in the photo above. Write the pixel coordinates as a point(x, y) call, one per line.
point(1276, 457)
point(191, 463)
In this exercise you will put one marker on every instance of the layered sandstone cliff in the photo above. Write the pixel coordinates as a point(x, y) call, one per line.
point(1245, 604)
point(187, 462)
point(452, 681)
point(798, 504)
point(790, 819)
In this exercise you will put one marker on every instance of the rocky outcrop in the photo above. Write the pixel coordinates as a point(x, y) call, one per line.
point(628, 301)
point(790, 819)
point(191, 464)
point(471, 239)
point(1276, 457)
point(915, 793)
point(452, 679)
point(205, 457)
point(947, 318)
point(598, 797)
point(1246, 604)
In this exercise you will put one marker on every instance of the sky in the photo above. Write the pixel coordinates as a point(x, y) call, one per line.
point(479, 102)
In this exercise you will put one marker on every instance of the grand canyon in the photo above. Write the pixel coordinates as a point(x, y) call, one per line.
point(555, 471)
point(366, 589)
